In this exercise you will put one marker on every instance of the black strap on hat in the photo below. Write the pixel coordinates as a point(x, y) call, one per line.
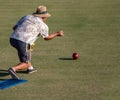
point(43, 12)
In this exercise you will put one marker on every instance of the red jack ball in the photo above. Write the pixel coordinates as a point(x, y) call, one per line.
point(75, 56)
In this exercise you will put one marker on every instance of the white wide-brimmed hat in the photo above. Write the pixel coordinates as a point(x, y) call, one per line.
point(41, 11)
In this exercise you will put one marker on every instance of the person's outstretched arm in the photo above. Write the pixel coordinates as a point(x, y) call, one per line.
point(51, 36)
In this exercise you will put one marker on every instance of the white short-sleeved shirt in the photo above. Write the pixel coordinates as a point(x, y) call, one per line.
point(29, 28)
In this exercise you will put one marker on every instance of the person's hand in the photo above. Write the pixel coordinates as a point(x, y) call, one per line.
point(60, 33)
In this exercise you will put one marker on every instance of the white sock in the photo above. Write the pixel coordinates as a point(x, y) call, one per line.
point(13, 69)
point(31, 67)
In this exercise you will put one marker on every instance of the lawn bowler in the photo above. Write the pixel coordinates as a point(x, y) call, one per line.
point(25, 33)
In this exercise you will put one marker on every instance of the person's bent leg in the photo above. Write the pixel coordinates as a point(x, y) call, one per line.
point(21, 66)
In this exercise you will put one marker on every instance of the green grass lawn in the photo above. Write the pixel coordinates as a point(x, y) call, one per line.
point(91, 28)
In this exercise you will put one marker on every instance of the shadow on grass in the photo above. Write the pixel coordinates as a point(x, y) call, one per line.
point(66, 58)
point(22, 72)
point(3, 73)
